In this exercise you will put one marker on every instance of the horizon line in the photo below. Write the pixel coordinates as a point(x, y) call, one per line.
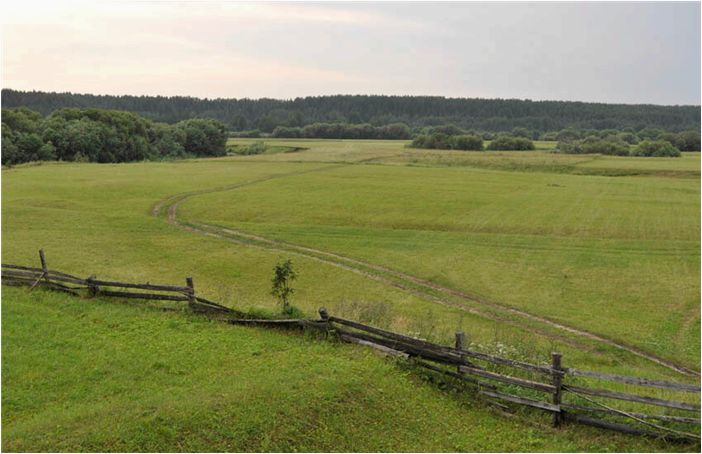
point(356, 94)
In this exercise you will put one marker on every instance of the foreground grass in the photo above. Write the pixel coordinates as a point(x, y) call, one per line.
point(92, 375)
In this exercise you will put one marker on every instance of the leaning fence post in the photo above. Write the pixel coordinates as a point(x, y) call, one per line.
point(44, 270)
point(460, 343)
point(557, 373)
point(191, 292)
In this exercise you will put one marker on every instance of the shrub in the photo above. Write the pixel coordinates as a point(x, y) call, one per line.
point(437, 141)
point(657, 148)
point(283, 275)
point(467, 142)
point(688, 141)
point(612, 147)
point(203, 136)
point(511, 143)
point(246, 150)
point(420, 141)
point(595, 145)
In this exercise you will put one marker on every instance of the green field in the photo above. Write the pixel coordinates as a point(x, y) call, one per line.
point(527, 252)
point(101, 376)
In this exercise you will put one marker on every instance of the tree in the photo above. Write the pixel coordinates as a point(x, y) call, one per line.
point(283, 275)
point(657, 149)
point(521, 132)
point(688, 141)
point(488, 115)
point(203, 136)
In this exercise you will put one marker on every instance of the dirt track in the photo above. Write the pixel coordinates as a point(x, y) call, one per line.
point(417, 286)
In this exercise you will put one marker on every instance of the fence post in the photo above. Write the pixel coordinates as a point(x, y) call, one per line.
point(460, 343)
point(557, 383)
point(92, 288)
point(324, 315)
point(192, 302)
point(44, 270)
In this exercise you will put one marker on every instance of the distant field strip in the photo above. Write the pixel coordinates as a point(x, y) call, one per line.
point(423, 288)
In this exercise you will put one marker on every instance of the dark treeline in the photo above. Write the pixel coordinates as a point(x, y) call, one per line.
point(344, 131)
point(98, 135)
point(486, 115)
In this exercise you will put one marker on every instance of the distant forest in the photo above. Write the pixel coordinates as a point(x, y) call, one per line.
point(417, 112)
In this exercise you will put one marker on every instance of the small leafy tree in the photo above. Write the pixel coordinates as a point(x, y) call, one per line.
point(281, 289)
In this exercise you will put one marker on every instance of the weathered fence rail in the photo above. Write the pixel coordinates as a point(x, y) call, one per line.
point(56, 280)
point(495, 378)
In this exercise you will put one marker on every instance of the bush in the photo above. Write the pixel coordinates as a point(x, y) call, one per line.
point(611, 147)
point(246, 150)
point(283, 275)
point(466, 142)
point(657, 148)
point(203, 136)
point(688, 141)
point(595, 145)
point(505, 142)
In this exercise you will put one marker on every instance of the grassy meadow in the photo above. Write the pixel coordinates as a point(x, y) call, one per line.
point(102, 376)
point(423, 242)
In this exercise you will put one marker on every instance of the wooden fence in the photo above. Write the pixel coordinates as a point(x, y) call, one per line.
point(56, 280)
point(564, 393)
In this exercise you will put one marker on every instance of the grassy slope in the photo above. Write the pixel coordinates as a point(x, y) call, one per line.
point(90, 375)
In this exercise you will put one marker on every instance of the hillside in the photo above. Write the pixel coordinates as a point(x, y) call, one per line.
point(97, 375)
point(416, 111)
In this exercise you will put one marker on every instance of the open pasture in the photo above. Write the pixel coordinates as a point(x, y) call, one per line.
point(526, 261)
point(614, 256)
point(618, 256)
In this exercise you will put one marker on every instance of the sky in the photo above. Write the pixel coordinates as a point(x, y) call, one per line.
point(584, 51)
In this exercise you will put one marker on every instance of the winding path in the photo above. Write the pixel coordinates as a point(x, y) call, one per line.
point(414, 285)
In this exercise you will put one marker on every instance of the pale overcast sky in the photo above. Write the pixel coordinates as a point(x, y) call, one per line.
point(605, 52)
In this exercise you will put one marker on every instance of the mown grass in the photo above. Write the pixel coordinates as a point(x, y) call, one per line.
point(600, 252)
point(97, 375)
point(615, 256)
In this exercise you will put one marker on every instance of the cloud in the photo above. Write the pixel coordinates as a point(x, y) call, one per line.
point(584, 51)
